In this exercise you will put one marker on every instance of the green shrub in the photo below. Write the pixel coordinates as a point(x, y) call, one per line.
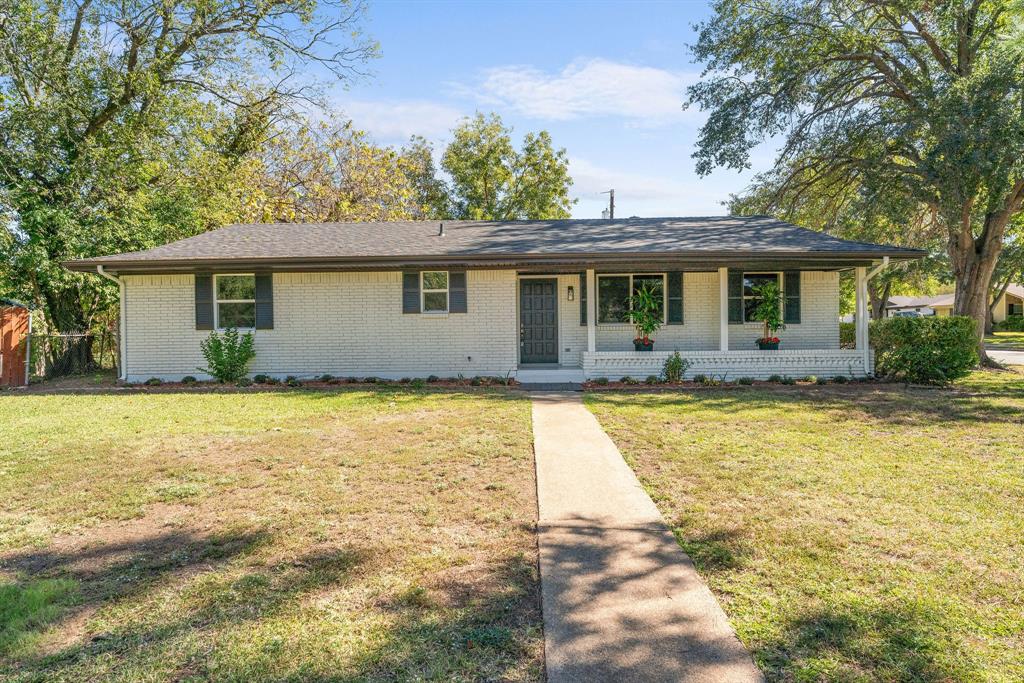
point(821, 380)
point(700, 379)
point(745, 381)
point(370, 380)
point(652, 379)
point(788, 380)
point(417, 383)
point(227, 355)
point(675, 367)
point(929, 350)
point(188, 379)
point(153, 382)
point(405, 380)
point(476, 381)
point(626, 379)
point(243, 382)
point(840, 379)
point(433, 378)
point(775, 378)
point(813, 379)
point(1013, 323)
point(326, 378)
point(601, 381)
point(847, 335)
point(261, 379)
point(292, 381)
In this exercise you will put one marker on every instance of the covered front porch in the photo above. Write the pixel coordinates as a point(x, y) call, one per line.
point(575, 339)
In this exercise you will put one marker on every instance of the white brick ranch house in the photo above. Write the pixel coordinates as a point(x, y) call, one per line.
point(539, 300)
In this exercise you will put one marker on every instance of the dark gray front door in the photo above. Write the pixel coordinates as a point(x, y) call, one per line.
point(538, 320)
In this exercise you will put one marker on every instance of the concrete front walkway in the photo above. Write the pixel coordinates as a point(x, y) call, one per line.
point(621, 600)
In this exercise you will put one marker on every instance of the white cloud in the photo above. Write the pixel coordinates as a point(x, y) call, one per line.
point(585, 88)
point(399, 119)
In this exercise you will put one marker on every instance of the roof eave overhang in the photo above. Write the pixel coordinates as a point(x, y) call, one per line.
point(704, 260)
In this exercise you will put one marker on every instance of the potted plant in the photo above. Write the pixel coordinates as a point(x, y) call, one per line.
point(769, 312)
point(645, 314)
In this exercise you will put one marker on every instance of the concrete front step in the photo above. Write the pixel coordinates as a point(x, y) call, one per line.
point(553, 375)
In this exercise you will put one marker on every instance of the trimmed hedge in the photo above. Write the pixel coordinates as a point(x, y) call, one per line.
point(1013, 323)
point(929, 350)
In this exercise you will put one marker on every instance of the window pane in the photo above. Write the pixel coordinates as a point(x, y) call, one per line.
point(435, 301)
point(236, 287)
point(236, 315)
point(612, 299)
point(655, 284)
point(437, 279)
point(752, 281)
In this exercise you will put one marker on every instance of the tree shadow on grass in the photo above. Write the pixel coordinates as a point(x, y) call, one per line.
point(54, 587)
point(488, 632)
point(895, 641)
point(886, 403)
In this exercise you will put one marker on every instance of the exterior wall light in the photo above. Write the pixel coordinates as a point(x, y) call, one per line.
point(572, 293)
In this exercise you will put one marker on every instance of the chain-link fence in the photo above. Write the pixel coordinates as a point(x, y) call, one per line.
point(59, 355)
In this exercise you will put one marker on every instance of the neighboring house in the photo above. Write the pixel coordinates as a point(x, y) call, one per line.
point(1011, 303)
point(539, 300)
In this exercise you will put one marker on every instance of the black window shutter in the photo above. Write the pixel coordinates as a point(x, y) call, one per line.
point(457, 291)
point(264, 301)
point(583, 299)
point(204, 302)
point(735, 296)
point(675, 298)
point(411, 292)
point(791, 290)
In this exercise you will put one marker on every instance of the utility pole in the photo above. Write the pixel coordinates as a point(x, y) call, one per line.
point(610, 211)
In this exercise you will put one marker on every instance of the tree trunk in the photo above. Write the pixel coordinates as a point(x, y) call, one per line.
point(878, 299)
point(990, 324)
point(973, 271)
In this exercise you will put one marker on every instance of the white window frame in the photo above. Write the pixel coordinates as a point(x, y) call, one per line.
point(597, 295)
point(447, 293)
point(217, 301)
point(779, 280)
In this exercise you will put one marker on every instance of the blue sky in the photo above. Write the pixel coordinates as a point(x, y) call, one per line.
point(607, 79)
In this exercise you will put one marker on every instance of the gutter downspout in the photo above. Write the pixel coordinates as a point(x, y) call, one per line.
point(867, 278)
point(121, 341)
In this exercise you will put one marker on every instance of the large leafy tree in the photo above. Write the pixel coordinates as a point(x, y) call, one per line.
point(925, 97)
point(492, 180)
point(330, 171)
point(123, 122)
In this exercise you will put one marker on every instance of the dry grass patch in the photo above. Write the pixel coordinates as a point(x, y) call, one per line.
point(853, 533)
point(380, 534)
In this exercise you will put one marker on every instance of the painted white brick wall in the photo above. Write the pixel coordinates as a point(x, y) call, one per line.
point(818, 328)
point(337, 323)
point(352, 324)
point(730, 365)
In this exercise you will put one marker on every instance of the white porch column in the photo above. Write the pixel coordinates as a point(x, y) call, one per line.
point(861, 316)
point(591, 311)
point(723, 309)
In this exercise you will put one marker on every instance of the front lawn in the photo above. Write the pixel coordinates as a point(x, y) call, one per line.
point(852, 533)
point(1007, 339)
point(347, 535)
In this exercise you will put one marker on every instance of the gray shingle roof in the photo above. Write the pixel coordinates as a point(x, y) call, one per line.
point(498, 241)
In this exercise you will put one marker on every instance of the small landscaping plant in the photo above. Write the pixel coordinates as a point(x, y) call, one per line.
point(775, 378)
point(228, 355)
point(433, 378)
point(789, 380)
point(652, 379)
point(675, 367)
point(153, 382)
point(629, 380)
point(747, 381)
point(928, 350)
point(840, 379)
point(821, 380)
point(292, 381)
point(189, 379)
point(700, 379)
point(326, 378)
point(417, 383)
point(601, 381)
point(810, 378)
point(243, 382)
point(645, 314)
point(261, 379)
point(769, 312)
